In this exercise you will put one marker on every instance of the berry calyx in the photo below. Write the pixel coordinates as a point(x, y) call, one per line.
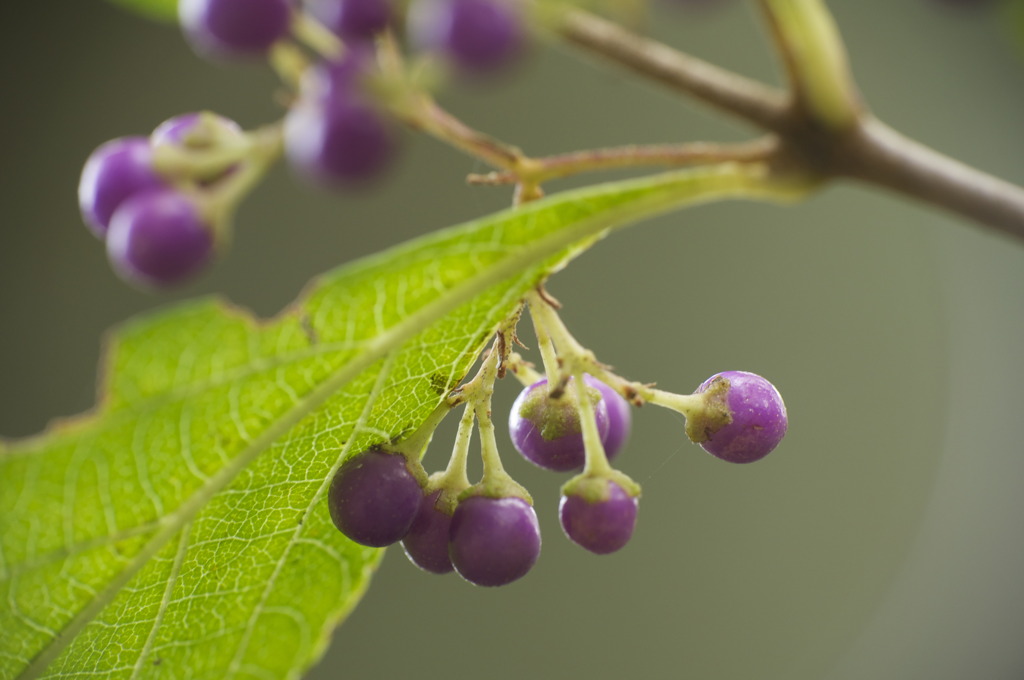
point(426, 543)
point(547, 431)
point(477, 35)
point(197, 130)
point(600, 516)
point(158, 238)
point(115, 171)
point(374, 498)
point(234, 28)
point(494, 541)
point(757, 419)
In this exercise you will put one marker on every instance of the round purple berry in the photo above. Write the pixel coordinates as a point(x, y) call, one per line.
point(374, 498)
point(601, 525)
point(547, 431)
point(494, 541)
point(193, 130)
point(338, 80)
point(758, 418)
point(353, 20)
point(342, 141)
point(477, 35)
point(234, 28)
point(116, 170)
point(426, 544)
point(620, 419)
point(158, 238)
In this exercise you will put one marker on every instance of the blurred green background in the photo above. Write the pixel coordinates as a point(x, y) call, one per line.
point(883, 539)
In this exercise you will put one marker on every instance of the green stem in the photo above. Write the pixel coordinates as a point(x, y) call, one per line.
point(455, 476)
point(544, 342)
point(596, 461)
point(316, 36)
point(289, 62)
point(687, 404)
point(221, 205)
point(815, 58)
point(481, 402)
point(523, 372)
point(494, 471)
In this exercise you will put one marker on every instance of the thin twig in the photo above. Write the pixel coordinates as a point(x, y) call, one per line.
point(764, 106)
point(866, 149)
point(878, 155)
point(632, 156)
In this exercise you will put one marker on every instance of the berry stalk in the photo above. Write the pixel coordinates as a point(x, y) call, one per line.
point(455, 476)
point(595, 460)
point(496, 482)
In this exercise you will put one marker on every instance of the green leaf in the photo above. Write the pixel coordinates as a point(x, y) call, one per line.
point(160, 10)
point(180, 529)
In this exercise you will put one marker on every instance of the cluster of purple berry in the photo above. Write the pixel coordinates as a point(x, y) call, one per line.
point(163, 221)
point(473, 34)
point(158, 228)
point(378, 498)
point(596, 513)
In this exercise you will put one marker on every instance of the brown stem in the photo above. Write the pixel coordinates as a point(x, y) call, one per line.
point(437, 122)
point(748, 99)
point(632, 156)
point(867, 150)
point(881, 156)
point(420, 111)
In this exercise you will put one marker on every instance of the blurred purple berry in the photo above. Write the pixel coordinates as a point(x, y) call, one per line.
point(182, 130)
point(158, 238)
point(234, 28)
point(343, 141)
point(494, 541)
point(620, 419)
point(116, 170)
point(547, 432)
point(426, 544)
point(477, 35)
point(758, 414)
point(374, 498)
point(352, 20)
point(603, 526)
point(338, 80)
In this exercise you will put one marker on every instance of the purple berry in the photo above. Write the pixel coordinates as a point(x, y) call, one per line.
point(494, 541)
point(189, 130)
point(353, 20)
point(338, 80)
point(234, 28)
point(116, 170)
point(547, 432)
point(426, 544)
point(158, 238)
point(620, 419)
point(601, 525)
point(374, 498)
point(343, 141)
point(478, 35)
point(758, 415)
